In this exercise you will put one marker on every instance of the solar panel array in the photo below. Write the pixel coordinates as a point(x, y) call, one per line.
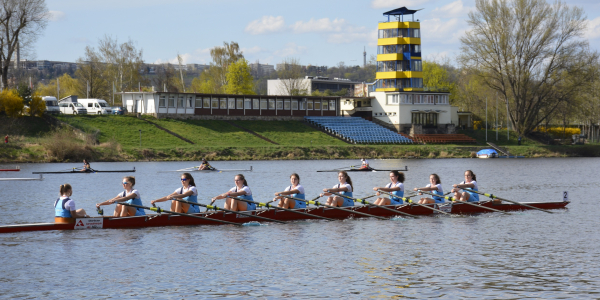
point(358, 130)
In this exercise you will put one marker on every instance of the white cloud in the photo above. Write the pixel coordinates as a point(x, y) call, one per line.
point(453, 9)
point(267, 24)
point(396, 3)
point(438, 30)
point(321, 25)
point(290, 50)
point(593, 29)
point(55, 15)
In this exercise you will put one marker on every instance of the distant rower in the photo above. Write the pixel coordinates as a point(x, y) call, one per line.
point(364, 164)
point(205, 166)
point(86, 166)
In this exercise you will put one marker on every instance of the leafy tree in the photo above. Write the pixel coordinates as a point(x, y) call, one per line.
point(223, 57)
point(239, 80)
point(11, 103)
point(37, 106)
point(68, 86)
point(531, 52)
point(437, 77)
point(24, 92)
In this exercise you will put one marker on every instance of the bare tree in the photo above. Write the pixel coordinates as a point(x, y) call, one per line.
point(292, 79)
point(124, 62)
point(91, 75)
point(530, 52)
point(21, 23)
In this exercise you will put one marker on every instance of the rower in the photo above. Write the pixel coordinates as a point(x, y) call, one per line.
point(86, 166)
point(187, 192)
point(469, 182)
point(129, 196)
point(295, 190)
point(434, 186)
point(64, 207)
point(344, 188)
point(240, 190)
point(396, 187)
point(205, 166)
point(364, 164)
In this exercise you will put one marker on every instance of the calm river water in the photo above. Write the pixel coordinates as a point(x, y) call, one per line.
point(527, 255)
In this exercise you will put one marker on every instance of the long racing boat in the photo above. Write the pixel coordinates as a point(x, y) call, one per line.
point(78, 171)
point(249, 217)
point(365, 170)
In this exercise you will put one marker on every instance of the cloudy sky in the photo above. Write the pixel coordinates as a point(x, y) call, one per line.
point(323, 32)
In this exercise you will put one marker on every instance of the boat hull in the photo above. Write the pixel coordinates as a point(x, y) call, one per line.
point(161, 220)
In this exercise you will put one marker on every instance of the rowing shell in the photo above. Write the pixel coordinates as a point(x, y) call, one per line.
point(10, 170)
point(80, 172)
point(365, 170)
point(159, 220)
point(210, 171)
point(22, 179)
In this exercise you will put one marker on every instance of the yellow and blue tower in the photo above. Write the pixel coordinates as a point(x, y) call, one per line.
point(399, 66)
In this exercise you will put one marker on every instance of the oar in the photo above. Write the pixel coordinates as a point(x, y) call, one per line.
point(411, 202)
point(373, 204)
point(227, 210)
point(317, 203)
point(160, 210)
point(511, 201)
point(280, 208)
point(465, 202)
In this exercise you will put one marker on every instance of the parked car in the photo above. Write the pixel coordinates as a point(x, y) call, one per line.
point(51, 105)
point(72, 108)
point(118, 110)
point(96, 106)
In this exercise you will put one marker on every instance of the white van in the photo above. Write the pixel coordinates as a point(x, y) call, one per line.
point(96, 106)
point(51, 105)
point(72, 108)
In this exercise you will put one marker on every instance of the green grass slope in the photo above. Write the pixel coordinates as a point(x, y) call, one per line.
point(291, 133)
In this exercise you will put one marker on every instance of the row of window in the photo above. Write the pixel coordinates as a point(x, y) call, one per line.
point(417, 99)
point(241, 103)
point(400, 65)
point(415, 50)
point(399, 32)
point(425, 119)
point(399, 83)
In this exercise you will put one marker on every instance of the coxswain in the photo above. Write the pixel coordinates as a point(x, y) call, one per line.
point(205, 166)
point(343, 188)
point(186, 192)
point(395, 187)
point(129, 196)
point(294, 190)
point(466, 195)
point(364, 164)
point(434, 186)
point(64, 207)
point(86, 166)
point(240, 190)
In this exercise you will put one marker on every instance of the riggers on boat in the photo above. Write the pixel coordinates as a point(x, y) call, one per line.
point(159, 220)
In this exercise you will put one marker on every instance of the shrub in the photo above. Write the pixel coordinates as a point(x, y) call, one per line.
point(560, 132)
point(62, 144)
point(11, 103)
point(37, 106)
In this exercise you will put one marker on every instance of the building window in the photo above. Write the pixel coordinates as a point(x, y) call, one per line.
point(206, 102)
point(272, 104)
point(199, 102)
point(428, 99)
point(256, 103)
point(279, 104)
point(286, 104)
point(417, 66)
point(231, 103)
point(416, 33)
point(325, 105)
point(393, 99)
point(417, 82)
point(181, 102)
point(303, 104)
point(190, 101)
point(317, 105)
point(294, 104)
point(223, 103)
point(441, 99)
point(425, 119)
point(406, 99)
point(263, 103)
point(171, 101)
point(239, 103)
point(248, 103)
point(331, 104)
point(162, 101)
point(215, 103)
point(309, 105)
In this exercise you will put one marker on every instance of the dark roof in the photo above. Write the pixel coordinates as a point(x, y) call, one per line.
point(401, 11)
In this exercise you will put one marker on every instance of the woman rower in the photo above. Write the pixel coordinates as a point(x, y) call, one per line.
point(86, 166)
point(469, 182)
point(295, 190)
point(434, 186)
point(205, 166)
point(129, 196)
point(396, 187)
point(240, 190)
point(343, 188)
point(64, 206)
point(187, 192)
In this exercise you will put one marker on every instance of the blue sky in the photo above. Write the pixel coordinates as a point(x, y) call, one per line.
point(323, 32)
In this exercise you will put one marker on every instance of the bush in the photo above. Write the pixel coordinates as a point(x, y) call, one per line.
point(11, 103)
point(37, 106)
point(63, 145)
point(560, 132)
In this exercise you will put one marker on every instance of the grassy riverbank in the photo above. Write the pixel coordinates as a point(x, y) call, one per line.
point(117, 138)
